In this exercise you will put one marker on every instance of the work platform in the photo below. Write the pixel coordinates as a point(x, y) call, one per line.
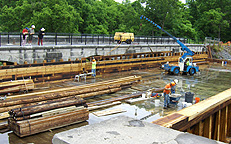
point(126, 130)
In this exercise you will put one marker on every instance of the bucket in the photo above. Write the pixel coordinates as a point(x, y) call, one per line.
point(188, 104)
point(157, 102)
point(189, 97)
point(143, 95)
point(197, 99)
point(184, 104)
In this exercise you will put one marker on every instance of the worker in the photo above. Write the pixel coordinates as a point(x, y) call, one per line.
point(167, 90)
point(187, 63)
point(173, 91)
point(93, 68)
point(173, 88)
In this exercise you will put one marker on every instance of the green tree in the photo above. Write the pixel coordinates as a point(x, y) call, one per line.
point(211, 18)
point(211, 22)
point(54, 15)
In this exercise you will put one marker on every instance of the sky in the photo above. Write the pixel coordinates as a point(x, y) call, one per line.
point(134, 0)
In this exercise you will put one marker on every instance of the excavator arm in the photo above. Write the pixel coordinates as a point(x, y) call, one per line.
point(183, 47)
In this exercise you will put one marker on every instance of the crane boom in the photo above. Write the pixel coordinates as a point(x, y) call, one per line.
point(183, 47)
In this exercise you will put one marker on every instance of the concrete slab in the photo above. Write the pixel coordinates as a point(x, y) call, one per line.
point(126, 130)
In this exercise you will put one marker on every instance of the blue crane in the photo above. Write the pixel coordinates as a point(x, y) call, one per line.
point(191, 68)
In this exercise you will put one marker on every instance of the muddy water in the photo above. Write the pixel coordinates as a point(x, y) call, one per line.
point(210, 81)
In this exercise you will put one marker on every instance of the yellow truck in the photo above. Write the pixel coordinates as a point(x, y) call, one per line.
point(124, 37)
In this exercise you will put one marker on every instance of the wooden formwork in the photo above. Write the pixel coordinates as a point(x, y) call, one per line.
point(210, 118)
point(106, 64)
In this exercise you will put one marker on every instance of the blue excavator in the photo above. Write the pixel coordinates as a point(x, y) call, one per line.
point(189, 68)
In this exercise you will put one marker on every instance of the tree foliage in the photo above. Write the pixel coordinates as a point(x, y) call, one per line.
point(195, 19)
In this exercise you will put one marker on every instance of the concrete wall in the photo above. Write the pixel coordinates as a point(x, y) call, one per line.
point(40, 53)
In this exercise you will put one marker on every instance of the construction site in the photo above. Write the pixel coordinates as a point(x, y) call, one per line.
point(162, 96)
point(42, 99)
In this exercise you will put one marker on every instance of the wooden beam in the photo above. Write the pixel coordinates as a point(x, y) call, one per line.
point(109, 82)
point(201, 128)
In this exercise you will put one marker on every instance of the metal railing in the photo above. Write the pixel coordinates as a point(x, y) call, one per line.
point(15, 39)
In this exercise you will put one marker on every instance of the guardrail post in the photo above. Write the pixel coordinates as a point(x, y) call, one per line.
point(92, 38)
point(147, 40)
point(71, 38)
point(85, 39)
point(98, 40)
point(0, 39)
point(8, 38)
point(103, 38)
point(55, 38)
point(20, 39)
point(81, 37)
point(109, 39)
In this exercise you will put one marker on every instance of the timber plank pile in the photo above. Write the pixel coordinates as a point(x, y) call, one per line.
point(210, 118)
point(37, 112)
point(16, 86)
point(42, 117)
point(83, 91)
point(114, 63)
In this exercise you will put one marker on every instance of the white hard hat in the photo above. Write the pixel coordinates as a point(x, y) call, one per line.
point(176, 81)
point(33, 26)
point(42, 29)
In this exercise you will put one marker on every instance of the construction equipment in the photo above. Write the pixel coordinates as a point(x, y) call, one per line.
point(124, 37)
point(181, 67)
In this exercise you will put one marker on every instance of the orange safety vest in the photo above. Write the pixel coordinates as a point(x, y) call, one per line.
point(167, 87)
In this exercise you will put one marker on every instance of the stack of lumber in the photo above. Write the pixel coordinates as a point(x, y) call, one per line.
point(83, 91)
point(16, 86)
point(42, 117)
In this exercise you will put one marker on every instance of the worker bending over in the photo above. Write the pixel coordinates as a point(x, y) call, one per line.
point(167, 90)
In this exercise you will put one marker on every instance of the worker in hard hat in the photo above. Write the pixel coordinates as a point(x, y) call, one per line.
point(167, 90)
point(173, 88)
point(93, 68)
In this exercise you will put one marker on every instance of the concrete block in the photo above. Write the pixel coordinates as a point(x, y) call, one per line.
point(126, 130)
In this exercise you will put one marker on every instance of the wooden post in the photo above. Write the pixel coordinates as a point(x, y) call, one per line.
point(218, 115)
point(201, 128)
point(224, 123)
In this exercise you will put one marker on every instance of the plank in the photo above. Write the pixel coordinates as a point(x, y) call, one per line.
point(131, 101)
point(4, 115)
point(103, 106)
point(108, 112)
